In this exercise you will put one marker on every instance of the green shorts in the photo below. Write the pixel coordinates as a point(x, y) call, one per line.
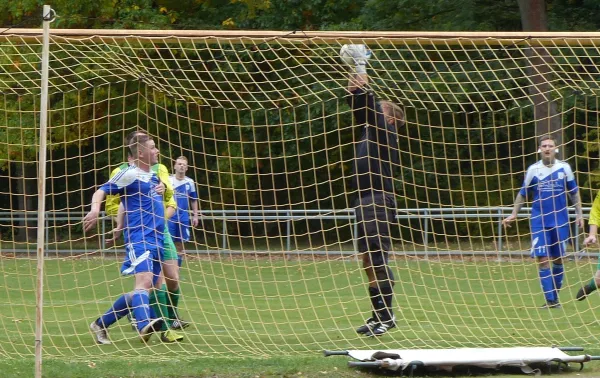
point(170, 250)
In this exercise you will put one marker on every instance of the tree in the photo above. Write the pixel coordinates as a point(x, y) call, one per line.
point(547, 121)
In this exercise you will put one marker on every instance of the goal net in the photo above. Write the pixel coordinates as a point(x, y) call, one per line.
point(272, 266)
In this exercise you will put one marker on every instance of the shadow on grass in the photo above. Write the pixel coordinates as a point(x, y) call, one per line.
point(474, 371)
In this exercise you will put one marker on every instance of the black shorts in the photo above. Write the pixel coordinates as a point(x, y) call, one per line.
point(374, 215)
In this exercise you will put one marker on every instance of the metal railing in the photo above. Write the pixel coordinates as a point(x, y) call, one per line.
point(425, 216)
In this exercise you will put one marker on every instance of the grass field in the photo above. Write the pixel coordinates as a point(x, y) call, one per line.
point(273, 316)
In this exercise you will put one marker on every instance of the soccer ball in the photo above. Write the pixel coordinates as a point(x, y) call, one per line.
point(346, 55)
point(353, 54)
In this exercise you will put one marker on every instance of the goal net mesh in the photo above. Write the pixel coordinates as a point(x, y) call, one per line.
point(272, 267)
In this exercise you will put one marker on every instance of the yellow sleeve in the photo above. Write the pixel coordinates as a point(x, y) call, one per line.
point(113, 200)
point(163, 175)
point(595, 212)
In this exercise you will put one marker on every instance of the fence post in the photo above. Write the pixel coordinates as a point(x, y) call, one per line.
point(47, 237)
point(103, 237)
point(576, 235)
point(426, 231)
point(355, 236)
point(224, 237)
point(288, 243)
point(500, 246)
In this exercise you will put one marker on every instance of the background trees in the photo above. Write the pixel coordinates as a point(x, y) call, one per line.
point(74, 134)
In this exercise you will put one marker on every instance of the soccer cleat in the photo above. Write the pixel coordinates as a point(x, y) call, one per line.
point(584, 292)
point(551, 304)
point(132, 322)
point(382, 328)
point(179, 324)
point(170, 336)
point(153, 326)
point(100, 334)
point(368, 326)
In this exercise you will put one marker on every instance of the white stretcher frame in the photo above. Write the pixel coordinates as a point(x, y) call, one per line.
point(447, 359)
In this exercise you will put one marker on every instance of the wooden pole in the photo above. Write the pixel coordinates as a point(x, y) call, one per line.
point(47, 15)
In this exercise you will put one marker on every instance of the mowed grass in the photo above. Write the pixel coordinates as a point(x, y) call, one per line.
point(273, 315)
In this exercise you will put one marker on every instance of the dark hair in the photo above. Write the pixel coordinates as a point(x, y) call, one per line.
point(137, 141)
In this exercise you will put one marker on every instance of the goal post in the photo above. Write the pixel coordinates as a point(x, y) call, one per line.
point(263, 122)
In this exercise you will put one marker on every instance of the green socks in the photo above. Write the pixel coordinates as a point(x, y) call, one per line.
point(173, 302)
point(162, 303)
point(158, 303)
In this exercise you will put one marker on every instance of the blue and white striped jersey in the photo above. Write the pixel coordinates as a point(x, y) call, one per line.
point(144, 207)
point(547, 189)
point(185, 191)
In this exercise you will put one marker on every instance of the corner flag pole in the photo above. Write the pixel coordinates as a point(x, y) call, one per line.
point(47, 15)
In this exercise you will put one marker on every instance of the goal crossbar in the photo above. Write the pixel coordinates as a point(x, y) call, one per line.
point(408, 37)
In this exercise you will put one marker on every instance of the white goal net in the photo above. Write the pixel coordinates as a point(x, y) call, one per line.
point(262, 118)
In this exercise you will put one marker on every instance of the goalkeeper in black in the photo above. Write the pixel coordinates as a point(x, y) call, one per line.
point(375, 157)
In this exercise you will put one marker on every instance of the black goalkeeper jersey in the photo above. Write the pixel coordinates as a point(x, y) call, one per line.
point(377, 151)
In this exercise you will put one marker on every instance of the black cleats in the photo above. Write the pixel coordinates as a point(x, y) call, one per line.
point(382, 328)
point(368, 326)
point(551, 304)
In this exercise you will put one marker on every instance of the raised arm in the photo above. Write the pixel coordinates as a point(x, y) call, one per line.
point(357, 80)
point(356, 56)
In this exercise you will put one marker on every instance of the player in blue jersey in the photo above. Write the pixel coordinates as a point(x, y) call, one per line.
point(145, 221)
point(376, 155)
point(164, 300)
point(186, 196)
point(547, 185)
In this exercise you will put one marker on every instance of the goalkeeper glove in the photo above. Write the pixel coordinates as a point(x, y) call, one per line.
point(360, 55)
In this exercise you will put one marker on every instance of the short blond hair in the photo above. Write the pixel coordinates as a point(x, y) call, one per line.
point(181, 158)
point(138, 141)
point(546, 137)
point(397, 112)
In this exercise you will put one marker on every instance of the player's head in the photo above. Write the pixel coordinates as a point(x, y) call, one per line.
point(142, 148)
point(181, 165)
point(393, 113)
point(547, 148)
point(128, 140)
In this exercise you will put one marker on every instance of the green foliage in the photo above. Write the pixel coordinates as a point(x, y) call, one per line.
point(24, 13)
point(19, 132)
point(271, 129)
point(573, 15)
point(112, 14)
point(441, 15)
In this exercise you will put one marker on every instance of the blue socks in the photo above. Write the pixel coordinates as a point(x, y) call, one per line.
point(140, 303)
point(119, 309)
point(547, 282)
point(552, 281)
point(558, 272)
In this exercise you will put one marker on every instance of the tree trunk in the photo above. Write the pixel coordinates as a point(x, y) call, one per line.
point(547, 119)
point(26, 200)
